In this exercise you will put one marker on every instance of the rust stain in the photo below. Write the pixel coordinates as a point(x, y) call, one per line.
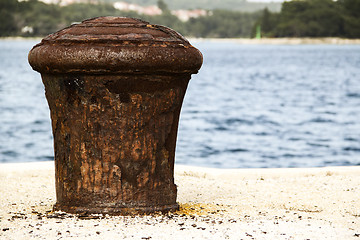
point(200, 209)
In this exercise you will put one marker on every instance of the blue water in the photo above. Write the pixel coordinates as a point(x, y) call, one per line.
point(249, 106)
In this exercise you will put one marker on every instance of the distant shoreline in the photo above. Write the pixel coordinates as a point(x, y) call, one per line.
point(265, 41)
point(281, 41)
point(20, 39)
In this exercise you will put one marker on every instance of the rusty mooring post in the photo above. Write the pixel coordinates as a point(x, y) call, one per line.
point(115, 87)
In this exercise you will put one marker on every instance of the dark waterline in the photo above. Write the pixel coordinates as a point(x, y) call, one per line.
point(249, 106)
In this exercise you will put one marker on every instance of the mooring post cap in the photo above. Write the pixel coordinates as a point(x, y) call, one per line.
point(108, 45)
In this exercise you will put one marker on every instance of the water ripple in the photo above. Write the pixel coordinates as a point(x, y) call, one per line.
point(249, 106)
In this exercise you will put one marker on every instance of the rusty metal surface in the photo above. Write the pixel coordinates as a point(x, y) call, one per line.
point(115, 45)
point(115, 87)
point(114, 140)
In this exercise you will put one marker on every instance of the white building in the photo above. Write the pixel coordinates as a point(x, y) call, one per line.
point(185, 15)
point(148, 10)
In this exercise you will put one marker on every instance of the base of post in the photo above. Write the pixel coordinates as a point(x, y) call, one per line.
point(115, 210)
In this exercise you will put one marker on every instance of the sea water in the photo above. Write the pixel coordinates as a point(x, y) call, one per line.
point(249, 106)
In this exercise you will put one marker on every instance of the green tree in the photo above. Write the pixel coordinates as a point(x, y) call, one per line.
point(81, 11)
point(42, 18)
point(310, 18)
point(8, 9)
point(268, 22)
point(222, 24)
point(163, 6)
point(351, 16)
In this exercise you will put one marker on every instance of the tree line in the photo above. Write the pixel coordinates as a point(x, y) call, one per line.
point(313, 18)
point(237, 5)
point(297, 18)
